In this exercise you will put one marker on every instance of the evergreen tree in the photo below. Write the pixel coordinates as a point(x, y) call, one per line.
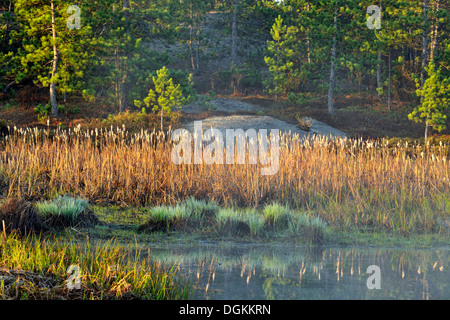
point(280, 56)
point(435, 98)
point(50, 53)
point(165, 96)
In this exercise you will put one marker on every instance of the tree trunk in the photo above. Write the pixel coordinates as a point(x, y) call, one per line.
point(118, 82)
point(197, 52)
point(55, 62)
point(308, 38)
point(276, 71)
point(234, 34)
point(125, 8)
point(191, 35)
point(162, 110)
point(332, 71)
point(123, 96)
point(380, 61)
point(162, 119)
point(389, 85)
point(424, 40)
point(379, 85)
point(434, 31)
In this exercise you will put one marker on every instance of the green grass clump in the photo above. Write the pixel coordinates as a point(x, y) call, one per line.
point(255, 221)
point(164, 218)
point(231, 221)
point(281, 219)
point(246, 222)
point(63, 206)
point(277, 216)
point(200, 209)
point(274, 220)
point(64, 211)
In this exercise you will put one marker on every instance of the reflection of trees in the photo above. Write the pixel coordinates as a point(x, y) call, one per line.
point(271, 286)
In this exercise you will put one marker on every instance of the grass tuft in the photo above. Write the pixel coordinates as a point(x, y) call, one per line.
point(65, 211)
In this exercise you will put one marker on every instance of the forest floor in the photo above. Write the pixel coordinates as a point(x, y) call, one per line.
point(359, 116)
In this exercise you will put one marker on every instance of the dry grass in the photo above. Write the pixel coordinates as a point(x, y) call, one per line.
point(20, 216)
point(346, 182)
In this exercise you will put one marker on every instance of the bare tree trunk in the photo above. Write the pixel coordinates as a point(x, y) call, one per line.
point(116, 85)
point(424, 40)
point(197, 53)
point(126, 7)
point(434, 31)
point(380, 61)
point(389, 80)
point(308, 38)
point(122, 81)
point(379, 73)
point(9, 86)
point(234, 34)
point(55, 62)
point(191, 35)
point(276, 72)
point(162, 110)
point(332, 71)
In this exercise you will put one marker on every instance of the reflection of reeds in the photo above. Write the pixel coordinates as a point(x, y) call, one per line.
point(367, 184)
point(275, 263)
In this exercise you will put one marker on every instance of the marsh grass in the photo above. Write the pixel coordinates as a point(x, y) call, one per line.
point(230, 221)
point(271, 221)
point(200, 209)
point(18, 215)
point(349, 183)
point(164, 218)
point(35, 268)
point(65, 211)
point(277, 216)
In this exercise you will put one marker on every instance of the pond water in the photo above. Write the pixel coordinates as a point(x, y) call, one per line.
point(249, 272)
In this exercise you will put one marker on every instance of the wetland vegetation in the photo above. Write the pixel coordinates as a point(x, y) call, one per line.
point(341, 192)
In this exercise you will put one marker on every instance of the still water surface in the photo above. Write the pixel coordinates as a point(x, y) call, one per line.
point(246, 272)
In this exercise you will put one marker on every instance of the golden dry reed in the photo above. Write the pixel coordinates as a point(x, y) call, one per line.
point(347, 182)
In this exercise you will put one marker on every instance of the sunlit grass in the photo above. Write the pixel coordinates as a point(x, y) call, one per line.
point(371, 185)
point(108, 270)
point(65, 206)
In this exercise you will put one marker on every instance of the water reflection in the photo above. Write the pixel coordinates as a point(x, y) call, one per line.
point(292, 272)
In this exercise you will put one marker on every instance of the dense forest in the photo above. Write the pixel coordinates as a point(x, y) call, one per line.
point(121, 52)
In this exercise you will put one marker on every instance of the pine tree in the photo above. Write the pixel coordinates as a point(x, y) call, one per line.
point(50, 53)
point(435, 99)
point(165, 96)
point(280, 56)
